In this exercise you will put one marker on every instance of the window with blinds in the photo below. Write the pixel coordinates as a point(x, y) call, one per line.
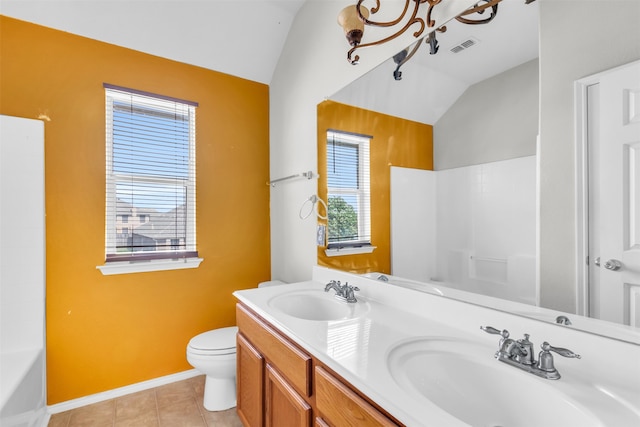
point(150, 162)
point(348, 190)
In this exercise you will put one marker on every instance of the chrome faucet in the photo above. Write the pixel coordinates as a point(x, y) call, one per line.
point(519, 353)
point(382, 278)
point(333, 285)
point(343, 292)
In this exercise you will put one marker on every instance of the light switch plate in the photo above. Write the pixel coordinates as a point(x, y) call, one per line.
point(320, 234)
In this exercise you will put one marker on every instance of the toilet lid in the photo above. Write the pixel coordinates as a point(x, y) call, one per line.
point(221, 340)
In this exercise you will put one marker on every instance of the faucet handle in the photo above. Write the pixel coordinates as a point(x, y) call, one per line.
point(561, 351)
point(545, 359)
point(504, 340)
point(491, 330)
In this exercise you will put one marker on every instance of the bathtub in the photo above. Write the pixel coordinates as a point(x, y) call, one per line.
point(407, 283)
point(22, 391)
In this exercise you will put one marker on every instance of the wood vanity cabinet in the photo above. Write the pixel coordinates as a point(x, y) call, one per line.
point(280, 385)
point(274, 376)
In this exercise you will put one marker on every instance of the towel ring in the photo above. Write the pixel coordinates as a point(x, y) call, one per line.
point(313, 200)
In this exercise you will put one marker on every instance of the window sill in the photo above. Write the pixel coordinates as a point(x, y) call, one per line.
point(350, 251)
point(127, 267)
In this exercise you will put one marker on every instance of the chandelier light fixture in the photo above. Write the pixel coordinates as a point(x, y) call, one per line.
point(355, 18)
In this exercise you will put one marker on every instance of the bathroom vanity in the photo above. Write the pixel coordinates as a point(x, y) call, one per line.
point(399, 356)
point(276, 378)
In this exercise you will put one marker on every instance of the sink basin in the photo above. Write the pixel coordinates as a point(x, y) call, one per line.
point(463, 379)
point(317, 305)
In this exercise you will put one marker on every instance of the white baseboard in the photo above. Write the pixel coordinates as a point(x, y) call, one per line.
point(122, 391)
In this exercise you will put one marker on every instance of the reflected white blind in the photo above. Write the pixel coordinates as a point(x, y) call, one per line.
point(150, 162)
point(348, 190)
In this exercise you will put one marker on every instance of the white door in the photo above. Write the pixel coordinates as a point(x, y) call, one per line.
point(616, 214)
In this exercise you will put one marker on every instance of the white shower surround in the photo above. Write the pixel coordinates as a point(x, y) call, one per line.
point(477, 230)
point(22, 273)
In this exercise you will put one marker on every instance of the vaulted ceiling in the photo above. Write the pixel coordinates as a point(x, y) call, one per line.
point(245, 38)
point(239, 37)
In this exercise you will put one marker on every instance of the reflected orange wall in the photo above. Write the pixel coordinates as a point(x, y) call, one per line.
point(396, 142)
point(105, 332)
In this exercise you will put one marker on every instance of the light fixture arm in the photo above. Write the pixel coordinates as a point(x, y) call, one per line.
point(411, 21)
point(389, 23)
point(402, 57)
point(479, 9)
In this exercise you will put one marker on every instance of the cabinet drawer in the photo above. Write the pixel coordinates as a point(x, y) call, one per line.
point(294, 364)
point(340, 406)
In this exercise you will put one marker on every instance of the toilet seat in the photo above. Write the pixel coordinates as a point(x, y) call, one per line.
point(214, 343)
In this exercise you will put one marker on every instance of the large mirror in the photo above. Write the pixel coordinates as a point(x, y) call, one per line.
point(466, 218)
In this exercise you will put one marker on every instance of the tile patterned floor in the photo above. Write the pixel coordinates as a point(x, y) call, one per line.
point(177, 404)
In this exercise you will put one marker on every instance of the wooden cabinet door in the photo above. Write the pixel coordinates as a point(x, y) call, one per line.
point(250, 374)
point(285, 407)
point(293, 363)
point(341, 407)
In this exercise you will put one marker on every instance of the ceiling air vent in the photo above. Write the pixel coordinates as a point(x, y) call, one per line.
point(471, 41)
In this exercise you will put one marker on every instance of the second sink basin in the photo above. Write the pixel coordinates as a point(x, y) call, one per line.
point(463, 379)
point(317, 305)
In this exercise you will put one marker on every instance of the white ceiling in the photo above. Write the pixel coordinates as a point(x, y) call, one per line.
point(244, 38)
point(432, 83)
point(215, 34)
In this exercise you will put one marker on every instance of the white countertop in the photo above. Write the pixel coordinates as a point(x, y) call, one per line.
point(357, 348)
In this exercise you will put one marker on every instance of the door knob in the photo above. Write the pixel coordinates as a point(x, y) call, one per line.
point(597, 262)
point(613, 265)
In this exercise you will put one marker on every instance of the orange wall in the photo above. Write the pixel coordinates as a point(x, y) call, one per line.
point(396, 142)
point(105, 332)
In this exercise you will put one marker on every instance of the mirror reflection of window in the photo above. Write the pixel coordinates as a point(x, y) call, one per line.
point(348, 190)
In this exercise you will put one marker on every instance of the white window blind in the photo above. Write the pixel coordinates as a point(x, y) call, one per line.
point(150, 162)
point(348, 190)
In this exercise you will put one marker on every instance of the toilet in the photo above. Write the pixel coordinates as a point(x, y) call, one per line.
point(214, 354)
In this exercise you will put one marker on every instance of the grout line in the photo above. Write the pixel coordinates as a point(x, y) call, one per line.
point(155, 400)
point(195, 400)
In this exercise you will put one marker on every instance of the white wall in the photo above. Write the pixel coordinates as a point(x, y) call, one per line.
point(495, 119)
point(577, 38)
point(313, 66)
